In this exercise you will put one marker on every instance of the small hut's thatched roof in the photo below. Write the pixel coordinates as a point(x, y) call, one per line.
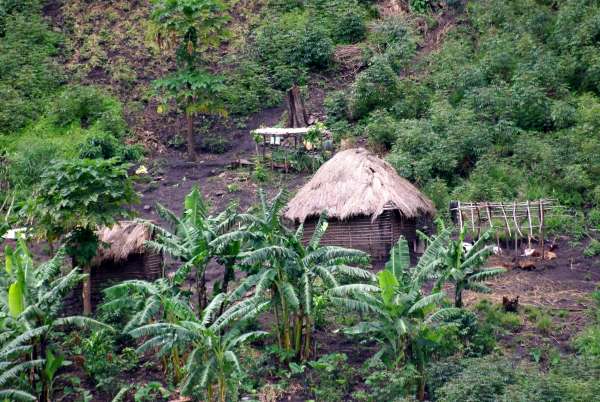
point(357, 182)
point(123, 239)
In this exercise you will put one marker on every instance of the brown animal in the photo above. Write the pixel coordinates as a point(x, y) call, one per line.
point(526, 265)
point(510, 305)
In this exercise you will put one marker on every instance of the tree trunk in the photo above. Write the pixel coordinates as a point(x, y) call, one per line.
point(458, 302)
point(87, 290)
point(201, 289)
point(191, 145)
point(297, 116)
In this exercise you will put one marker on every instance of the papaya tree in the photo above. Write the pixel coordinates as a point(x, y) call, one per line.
point(191, 28)
point(77, 197)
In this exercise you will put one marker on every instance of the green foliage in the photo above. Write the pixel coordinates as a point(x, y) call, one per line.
point(190, 240)
point(384, 383)
point(290, 45)
point(497, 379)
point(211, 342)
point(503, 95)
point(381, 129)
point(375, 87)
point(350, 28)
point(28, 71)
point(288, 273)
point(330, 378)
point(81, 195)
point(151, 391)
point(30, 335)
point(482, 379)
point(88, 106)
point(192, 27)
point(592, 249)
point(465, 270)
point(248, 89)
point(408, 323)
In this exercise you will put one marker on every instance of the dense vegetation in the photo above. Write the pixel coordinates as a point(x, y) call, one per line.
point(500, 103)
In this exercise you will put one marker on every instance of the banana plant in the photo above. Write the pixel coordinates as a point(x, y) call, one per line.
point(465, 269)
point(190, 239)
point(288, 272)
point(407, 322)
point(143, 302)
point(30, 318)
point(210, 342)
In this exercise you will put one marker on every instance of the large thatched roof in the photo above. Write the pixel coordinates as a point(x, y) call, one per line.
point(357, 182)
point(123, 239)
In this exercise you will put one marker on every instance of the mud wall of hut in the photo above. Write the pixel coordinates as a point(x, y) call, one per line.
point(375, 237)
point(146, 266)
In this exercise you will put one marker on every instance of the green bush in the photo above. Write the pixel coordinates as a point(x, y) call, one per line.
point(336, 106)
point(28, 71)
point(105, 146)
point(481, 380)
point(215, 144)
point(87, 106)
point(249, 89)
point(385, 384)
point(331, 377)
point(290, 44)
point(375, 87)
point(592, 249)
point(30, 159)
point(381, 129)
point(350, 27)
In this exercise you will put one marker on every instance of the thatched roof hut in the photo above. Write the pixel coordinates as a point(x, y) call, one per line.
point(369, 205)
point(119, 242)
point(122, 255)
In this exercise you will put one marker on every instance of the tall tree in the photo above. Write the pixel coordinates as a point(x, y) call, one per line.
point(191, 28)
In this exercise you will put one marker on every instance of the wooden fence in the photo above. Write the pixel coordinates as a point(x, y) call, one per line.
point(518, 220)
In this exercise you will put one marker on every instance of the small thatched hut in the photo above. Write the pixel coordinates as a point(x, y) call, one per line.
point(122, 256)
point(368, 204)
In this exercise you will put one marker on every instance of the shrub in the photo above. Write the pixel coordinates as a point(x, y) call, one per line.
point(86, 106)
point(375, 87)
point(396, 40)
point(290, 44)
point(350, 27)
point(385, 384)
point(593, 218)
point(381, 129)
point(28, 73)
point(215, 144)
point(592, 249)
point(103, 145)
point(30, 159)
point(336, 106)
point(330, 380)
point(249, 89)
point(413, 100)
point(313, 48)
point(481, 380)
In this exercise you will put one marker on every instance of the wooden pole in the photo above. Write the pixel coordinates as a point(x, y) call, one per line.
point(541, 203)
point(517, 228)
point(460, 220)
point(472, 218)
point(87, 291)
point(530, 226)
point(478, 223)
